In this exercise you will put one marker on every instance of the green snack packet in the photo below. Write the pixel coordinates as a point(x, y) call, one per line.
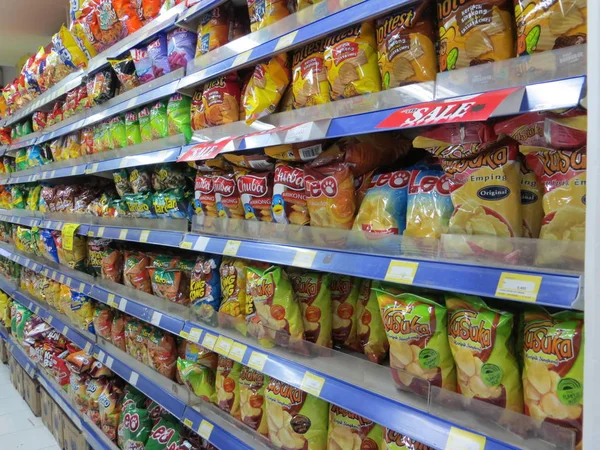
point(158, 119)
point(121, 179)
point(119, 207)
point(33, 198)
point(481, 342)
point(135, 426)
point(26, 128)
point(107, 141)
point(19, 197)
point(178, 115)
point(140, 180)
point(145, 126)
point(200, 380)
point(21, 159)
point(118, 132)
point(347, 427)
point(165, 435)
point(170, 203)
point(371, 333)
point(132, 127)
point(133, 397)
point(140, 205)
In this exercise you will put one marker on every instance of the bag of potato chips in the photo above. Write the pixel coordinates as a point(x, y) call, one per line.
point(220, 100)
point(474, 33)
point(213, 29)
point(543, 25)
point(344, 296)
point(481, 343)
point(312, 290)
point(197, 116)
point(405, 44)
point(266, 87)
point(456, 140)
point(227, 386)
point(417, 333)
point(295, 420)
point(371, 333)
point(252, 399)
point(392, 440)
point(266, 12)
point(309, 76)
point(233, 309)
point(289, 196)
point(349, 431)
point(553, 347)
point(531, 202)
point(351, 61)
point(204, 195)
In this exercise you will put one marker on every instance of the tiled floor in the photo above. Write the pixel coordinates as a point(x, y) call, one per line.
point(19, 428)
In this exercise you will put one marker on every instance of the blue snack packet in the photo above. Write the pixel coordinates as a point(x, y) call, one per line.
point(205, 288)
point(158, 52)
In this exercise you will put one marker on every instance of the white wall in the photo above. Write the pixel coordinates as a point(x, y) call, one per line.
point(9, 73)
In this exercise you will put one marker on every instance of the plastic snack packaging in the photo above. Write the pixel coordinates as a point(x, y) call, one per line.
point(166, 434)
point(75, 256)
point(150, 9)
point(204, 195)
point(234, 307)
point(349, 431)
point(418, 338)
point(197, 113)
point(306, 3)
point(295, 420)
point(351, 61)
point(38, 121)
point(178, 115)
point(125, 70)
point(118, 132)
point(143, 64)
point(101, 87)
point(110, 409)
point(228, 386)
point(158, 52)
point(132, 128)
point(227, 196)
point(86, 139)
point(266, 12)
point(126, 13)
point(256, 191)
point(251, 160)
point(158, 120)
point(135, 271)
point(182, 48)
point(289, 195)
point(205, 288)
point(344, 296)
point(78, 32)
point(405, 43)
point(252, 399)
point(168, 282)
point(135, 426)
point(136, 340)
point(145, 126)
point(392, 440)
point(266, 87)
point(532, 209)
point(370, 329)
point(97, 250)
point(162, 352)
point(312, 290)
point(103, 318)
point(297, 152)
point(170, 203)
point(168, 176)
point(140, 180)
point(540, 28)
point(68, 51)
point(481, 342)
point(213, 29)
point(200, 380)
point(474, 33)
point(310, 86)
point(117, 332)
point(220, 102)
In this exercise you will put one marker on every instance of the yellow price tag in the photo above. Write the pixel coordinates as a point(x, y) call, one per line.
point(144, 235)
point(257, 361)
point(111, 299)
point(237, 351)
point(401, 272)
point(517, 286)
point(304, 258)
point(311, 383)
point(123, 234)
point(209, 341)
point(223, 345)
point(184, 334)
point(241, 58)
point(68, 233)
point(186, 245)
point(459, 439)
point(205, 429)
point(194, 334)
point(286, 41)
point(188, 423)
point(100, 232)
point(232, 247)
point(61, 279)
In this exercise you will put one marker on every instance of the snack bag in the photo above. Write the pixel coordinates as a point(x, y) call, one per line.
point(162, 352)
point(220, 100)
point(474, 33)
point(103, 317)
point(531, 202)
point(145, 125)
point(181, 47)
point(118, 132)
point(150, 9)
point(143, 64)
point(117, 332)
point(227, 196)
point(289, 196)
point(482, 347)
point(158, 53)
point(86, 139)
point(136, 340)
point(344, 295)
point(200, 380)
point(405, 44)
point(205, 288)
point(370, 329)
point(165, 435)
point(251, 161)
point(392, 440)
point(126, 74)
point(309, 76)
point(274, 315)
point(171, 203)
point(295, 420)
point(69, 52)
point(140, 180)
point(553, 347)
point(383, 209)
point(158, 120)
point(135, 426)
point(542, 26)
point(233, 308)
point(169, 283)
point(213, 29)
point(204, 195)
point(256, 193)
point(252, 399)
point(135, 271)
point(266, 87)
point(429, 206)
point(418, 337)
point(349, 431)
point(351, 62)
point(312, 290)
point(266, 12)
point(110, 409)
point(178, 115)
point(330, 196)
point(132, 128)
point(197, 113)
point(228, 387)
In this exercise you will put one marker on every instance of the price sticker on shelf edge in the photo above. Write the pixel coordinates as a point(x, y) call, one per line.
point(205, 429)
point(144, 235)
point(123, 234)
point(459, 439)
point(311, 383)
point(188, 423)
point(123, 304)
point(133, 378)
point(187, 245)
point(194, 334)
point(304, 258)
point(201, 243)
point(68, 233)
point(65, 330)
point(237, 351)
point(518, 286)
point(257, 361)
point(110, 299)
point(223, 345)
point(88, 347)
point(286, 41)
point(241, 58)
point(100, 232)
point(209, 341)
point(156, 316)
point(232, 247)
point(401, 272)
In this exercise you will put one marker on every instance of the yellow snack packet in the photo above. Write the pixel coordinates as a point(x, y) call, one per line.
point(233, 308)
point(252, 399)
point(474, 32)
point(68, 51)
point(266, 12)
point(82, 40)
point(351, 61)
point(306, 3)
point(310, 85)
point(531, 202)
point(266, 87)
point(543, 25)
point(349, 431)
point(227, 385)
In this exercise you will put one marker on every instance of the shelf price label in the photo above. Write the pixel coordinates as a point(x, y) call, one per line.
point(144, 235)
point(517, 286)
point(209, 341)
point(311, 383)
point(223, 345)
point(205, 429)
point(232, 247)
point(123, 234)
point(459, 439)
point(304, 258)
point(401, 272)
point(237, 351)
point(188, 423)
point(187, 245)
point(194, 334)
point(257, 361)
point(286, 41)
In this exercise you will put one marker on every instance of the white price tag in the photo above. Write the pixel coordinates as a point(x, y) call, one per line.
point(156, 316)
point(123, 304)
point(144, 235)
point(286, 41)
point(49, 320)
point(100, 232)
point(257, 361)
point(401, 272)
point(232, 247)
point(109, 362)
point(73, 170)
point(223, 345)
point(101, 356)
point(241, 58)
point(61, 280)
point(209, 341)
point(311, 383)
point(87, 348)
point(65, 330)
point(201, 243)
point(237, 351)
point(304, 258)
point(133, 378)
point(81, 287)
point(123, 234)
point(195, 334)
point(205, 429)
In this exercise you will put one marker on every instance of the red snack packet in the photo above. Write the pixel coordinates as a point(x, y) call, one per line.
point(256, 191)
point(289, 197)
point(204, 195)
point(227, 196)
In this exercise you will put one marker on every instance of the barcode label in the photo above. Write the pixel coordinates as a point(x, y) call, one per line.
point(311, 152)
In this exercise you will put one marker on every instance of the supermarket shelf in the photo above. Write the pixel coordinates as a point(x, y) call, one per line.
point(190, 18)
point(20, 356)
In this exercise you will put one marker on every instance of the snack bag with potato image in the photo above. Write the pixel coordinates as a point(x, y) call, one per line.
point(220, 100)
point(266, 12)
point(474, 32)
point(417, 332)
point(252, 399)
point(543, 26)
point(344, 297)
point(289, 196)
point(481, 342)
point(351, 61)
point(392, 440)
point(371, 333)
point(405, 44)
point(233, 309)
point(309, 76)
point(197, 113)
point(456, 140)
point(295, 420)
point(266, 87)
point(532, 210)
point(553, 367)
point(227, 385)
point(349, 431)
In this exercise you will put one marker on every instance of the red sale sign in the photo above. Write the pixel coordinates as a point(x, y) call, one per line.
point(204, 151)
point(472, 108)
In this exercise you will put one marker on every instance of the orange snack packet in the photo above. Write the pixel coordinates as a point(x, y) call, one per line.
point(221, 99)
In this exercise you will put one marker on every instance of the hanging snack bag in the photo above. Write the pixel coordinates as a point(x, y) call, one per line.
point(370, 329)
point(252, 399)
point(143, 64)
point(474, 33)
point(220, 100)
point(158, 119)
point(256, 192)
point(310, 86)
point(204, 195)
point(266, 87)
point(417, 333)
point(145, 125)
point(135, 271)
point(228, 387)
point(233, 308)
point(200, 380)
point(158, 52)
point(132, 128)
point(182, 48)
point(289, 195)
point(178, 116)
point(312, 290)
point(405, 43)
point(295, 419)
point(481, 342)
point(205, 288)
point(532, 209)
point(344, 296)
point(125, 70)
point(213, 29)
point(197, 113)
point(266, 12)
point(348, 430)
point(227, 196)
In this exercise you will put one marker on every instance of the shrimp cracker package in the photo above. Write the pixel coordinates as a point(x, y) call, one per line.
point(312, 290)
point(289, 196)
point(227, 384)
point(349, 431)
point(295, 420)
point(351, 61)
point(205, 288)
point(474, 32)
point(481, 342)
point(256, 192)
point(383, 210)
point(553, 367)
point(227, 196)
point(233, 307)
point(204, 195)
point(309, 77)
point(417, 333)
point(266, 87)
point(405, 45)
point(371, 333)
point(543, 25)
point(252, 399)
point(344, 298)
